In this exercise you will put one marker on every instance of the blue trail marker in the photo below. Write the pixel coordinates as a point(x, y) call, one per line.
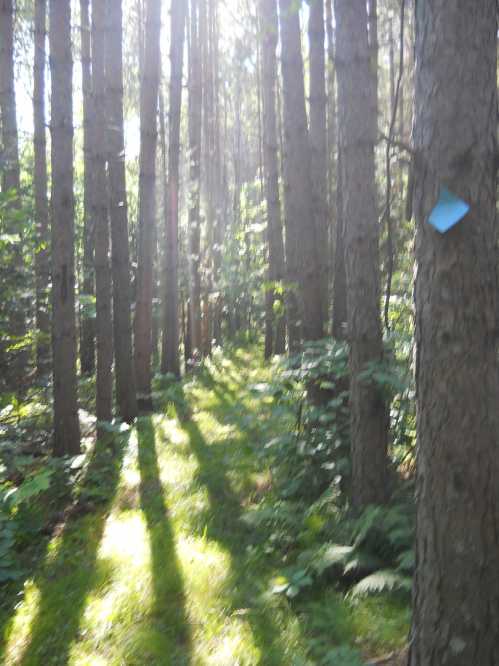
point(448, 211)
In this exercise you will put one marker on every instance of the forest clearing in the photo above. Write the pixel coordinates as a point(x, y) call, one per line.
point(249, 383)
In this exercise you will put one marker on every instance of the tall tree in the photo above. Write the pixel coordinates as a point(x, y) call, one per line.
point(42, 267)
point(356, 104)
point(149, 90)
point(124, 368)
point(87, 321)
point(11, 178)
point(66, 424)
point(170, 361)
point(305, 312)
point(318, 143)
point(103, 323)
point(269, 30)
point(456, 600)
point(195, 117)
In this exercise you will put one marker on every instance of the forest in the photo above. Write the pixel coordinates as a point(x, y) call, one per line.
point(249, 326)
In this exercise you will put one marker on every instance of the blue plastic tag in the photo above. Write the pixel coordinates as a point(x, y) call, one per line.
point(448, 211)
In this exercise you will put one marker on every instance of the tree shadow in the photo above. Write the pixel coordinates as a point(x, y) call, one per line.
point(71, 572)
point(169, 606)
point(223, 524)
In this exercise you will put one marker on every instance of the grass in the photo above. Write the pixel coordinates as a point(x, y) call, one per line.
point(159, 567)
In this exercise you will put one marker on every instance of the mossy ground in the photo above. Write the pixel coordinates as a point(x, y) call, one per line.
point(162, 570)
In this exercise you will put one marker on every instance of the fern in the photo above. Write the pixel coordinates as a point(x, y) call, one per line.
point(385, 580)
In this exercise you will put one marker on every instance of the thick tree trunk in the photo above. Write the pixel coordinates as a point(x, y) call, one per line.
point(11, 181)
point(66, 424)
point(42, 267)
point(103, 323)
point(149, 88)
point(356, 104)
point(318, 143)
point(195, 120)
point(456, 598)
point(305, 312)
point(170, 361)
point(124, 368)
point(87, 321)
point(269, 35)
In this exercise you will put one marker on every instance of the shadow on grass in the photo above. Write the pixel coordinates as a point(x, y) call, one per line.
point(68, 575)
point(224, 525)
point(169, 615)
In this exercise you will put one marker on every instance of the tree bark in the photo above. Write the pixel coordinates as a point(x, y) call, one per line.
point(356, 104)
point(124, 368)
point(269, 35)
point(42, 267)
point(66, 424)
point(195, 120)
point(456, 594)
point(305, 312)
point(103, 323)
point(170, 361)
point(149, 89)
point(87, 322)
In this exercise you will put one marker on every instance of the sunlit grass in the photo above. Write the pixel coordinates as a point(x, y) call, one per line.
point(163, 572)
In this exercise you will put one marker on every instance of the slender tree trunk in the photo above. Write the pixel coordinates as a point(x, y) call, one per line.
point(87, 322)
point(303, 266)
point(11, 181)
point(195, 124)
point(170, 361)
point(356, 104)
point(318, 143)
point(340, 314)
point(456, 597)
point(42, 267)
point(269, 35)
point(124, 368)
point(66, 424)
point(149, 88)
point(104, 323)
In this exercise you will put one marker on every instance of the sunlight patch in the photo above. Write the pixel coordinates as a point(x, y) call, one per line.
point(21, 627)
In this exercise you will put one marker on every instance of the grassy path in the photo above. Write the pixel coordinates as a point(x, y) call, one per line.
point(160, 569)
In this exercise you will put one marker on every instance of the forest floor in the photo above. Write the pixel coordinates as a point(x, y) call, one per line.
point(156, 564)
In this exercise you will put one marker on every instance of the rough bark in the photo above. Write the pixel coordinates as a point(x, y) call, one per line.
point(122, 320)
point(195, 119)
point(11, 181)
point(103, 322)
point(87, 322)
point(170, 361)
point(356, 104)
point(318, 143)
point(456, 597)
point(66, 424)
point(305, 313)
point(149, 89)
point(276, 271)
point(42, 267)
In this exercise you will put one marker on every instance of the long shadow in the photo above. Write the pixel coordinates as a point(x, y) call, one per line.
point(68, 576)
point(224, 525)
point(169, 607)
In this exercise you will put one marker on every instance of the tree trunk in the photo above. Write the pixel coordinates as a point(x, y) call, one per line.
point(318, 143)
point(340, 314)
point(87, 321)
point(356, 104)
point(269, 36)
point(103, 323)
point(66, 424)
point(16, 368)
point(149, 89)
point(42, 267)
point(305, 313)
point(456, 598)
point(195, 119)
point(124, 368)
point(170, 361)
